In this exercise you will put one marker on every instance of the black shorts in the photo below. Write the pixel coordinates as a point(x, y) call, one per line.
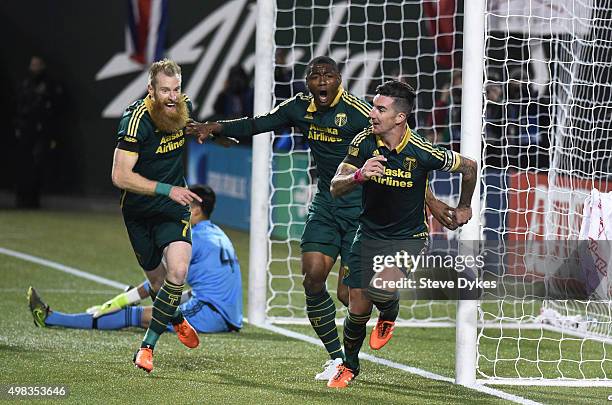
point(330, 230)
point(150, 234)
point(364, 254)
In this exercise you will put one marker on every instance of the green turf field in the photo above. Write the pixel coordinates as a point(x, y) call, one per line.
point(255, 365)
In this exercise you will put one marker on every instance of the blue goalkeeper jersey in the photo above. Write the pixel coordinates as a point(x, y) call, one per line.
point(214, 272)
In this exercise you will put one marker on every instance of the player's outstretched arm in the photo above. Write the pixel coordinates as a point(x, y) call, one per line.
point(468, 169)
point(348, 177)
point(441, 211)
point(281, 116)
point(210, 130)
point(124, 177)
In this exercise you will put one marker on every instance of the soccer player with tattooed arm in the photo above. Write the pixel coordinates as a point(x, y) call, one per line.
point(390, 163)
point(329, 118)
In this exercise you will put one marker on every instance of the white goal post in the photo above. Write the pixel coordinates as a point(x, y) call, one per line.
point(532, 85)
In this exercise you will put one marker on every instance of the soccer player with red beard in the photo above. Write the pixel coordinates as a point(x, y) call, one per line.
point(148, 167)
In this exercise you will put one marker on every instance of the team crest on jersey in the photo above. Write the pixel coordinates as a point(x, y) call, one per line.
point(353, 150)
point(410, 163)
point(340, 119)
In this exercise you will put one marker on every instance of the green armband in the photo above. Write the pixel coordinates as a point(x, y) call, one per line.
point(163, 189)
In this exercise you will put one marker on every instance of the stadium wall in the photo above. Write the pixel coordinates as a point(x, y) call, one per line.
point(84, 45)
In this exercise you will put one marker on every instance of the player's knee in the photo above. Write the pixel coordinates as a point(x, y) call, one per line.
point(314, 276)
point(313, 284)
point(178, 273)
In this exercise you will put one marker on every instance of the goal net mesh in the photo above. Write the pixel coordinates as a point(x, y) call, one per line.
point(546, 123)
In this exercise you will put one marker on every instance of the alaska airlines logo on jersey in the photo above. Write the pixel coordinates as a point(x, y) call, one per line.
point(323, 134)
point(410, 163)
point(394, 178)
point(340, 119)
point(398, 173)
point(169, 143)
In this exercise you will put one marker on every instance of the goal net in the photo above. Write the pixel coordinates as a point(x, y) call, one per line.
point(372, 41)
point(546, 143)
point(546, 131)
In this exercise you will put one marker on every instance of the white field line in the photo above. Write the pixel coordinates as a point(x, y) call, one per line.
point(403, 367)
point(285, 332)
point(62, 291)
point(61, 267)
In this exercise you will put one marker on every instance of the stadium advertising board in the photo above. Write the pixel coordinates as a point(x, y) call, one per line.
point(228, 172)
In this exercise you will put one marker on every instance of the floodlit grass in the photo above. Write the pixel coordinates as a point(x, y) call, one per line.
point(254, 366)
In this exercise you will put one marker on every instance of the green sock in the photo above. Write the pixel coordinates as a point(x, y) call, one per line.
point(164, 309)
point(386, 302)
point(354, 334)
point(388, 310)
point(322, 315)
point(178, 316)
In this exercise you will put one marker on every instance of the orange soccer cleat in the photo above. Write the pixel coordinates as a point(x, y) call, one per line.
point(381, 334)
point(143, 359)
point(341, 379)
point(186, 334)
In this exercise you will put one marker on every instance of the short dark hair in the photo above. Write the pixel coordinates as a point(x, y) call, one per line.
point(402, 93)
point(322, 60)
point(208, 198)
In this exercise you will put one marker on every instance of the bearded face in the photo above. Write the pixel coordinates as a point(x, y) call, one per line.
point(168, 109)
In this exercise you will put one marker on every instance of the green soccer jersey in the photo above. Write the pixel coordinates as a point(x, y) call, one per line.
point(160, 155)
point(328, 134)
point(394, 204)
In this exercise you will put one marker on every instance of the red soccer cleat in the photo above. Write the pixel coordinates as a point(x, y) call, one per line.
point(381, 334)
point(144, 359)
point(341, 379)
point(186, 334)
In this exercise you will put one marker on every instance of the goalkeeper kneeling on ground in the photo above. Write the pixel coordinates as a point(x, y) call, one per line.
point(214, 303)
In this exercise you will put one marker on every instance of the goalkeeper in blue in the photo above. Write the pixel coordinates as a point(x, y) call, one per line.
point(214, 303)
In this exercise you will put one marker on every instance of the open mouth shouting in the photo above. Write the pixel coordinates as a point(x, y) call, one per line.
point(323, 97)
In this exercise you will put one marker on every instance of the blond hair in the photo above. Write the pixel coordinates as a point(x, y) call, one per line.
point(166, 66)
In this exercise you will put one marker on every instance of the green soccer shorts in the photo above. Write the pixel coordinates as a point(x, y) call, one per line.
point(150, 234)
point(330, 230)
point(360, 265)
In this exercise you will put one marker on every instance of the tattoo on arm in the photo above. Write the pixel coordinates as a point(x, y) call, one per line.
point(467, 168)
point(343, 181)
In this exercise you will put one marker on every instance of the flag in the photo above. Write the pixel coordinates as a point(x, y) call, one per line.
point(147, 26)
point(441, 20)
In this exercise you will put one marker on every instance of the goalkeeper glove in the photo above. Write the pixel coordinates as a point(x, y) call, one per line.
point(115, 304)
